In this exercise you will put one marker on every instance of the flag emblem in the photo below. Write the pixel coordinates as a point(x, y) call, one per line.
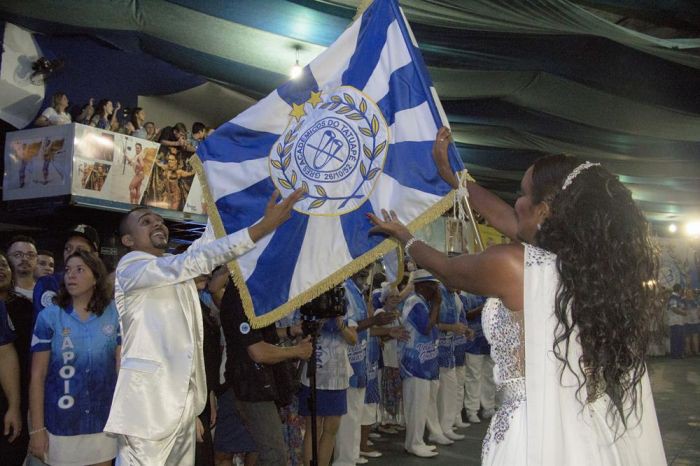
point(334, 148)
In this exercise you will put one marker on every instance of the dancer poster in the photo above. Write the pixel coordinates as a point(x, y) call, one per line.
point(38, 163)
point(111, 166)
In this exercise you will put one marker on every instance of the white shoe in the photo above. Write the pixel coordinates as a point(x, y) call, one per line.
point(370, 443)
point(430, 447)
point(454, 436)
point(461, 425)
point(488, 413)
point(440, 440)
point(473, 418)
point(374, 435)
point(371, 453)
point(361, 460)
point(422, 452)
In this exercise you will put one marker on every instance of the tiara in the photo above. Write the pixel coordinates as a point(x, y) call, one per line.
point(575, 172)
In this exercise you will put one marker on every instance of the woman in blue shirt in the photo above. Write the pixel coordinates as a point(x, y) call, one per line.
point(76, 347)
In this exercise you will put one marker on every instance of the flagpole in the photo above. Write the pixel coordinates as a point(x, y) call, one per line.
point(463, 177)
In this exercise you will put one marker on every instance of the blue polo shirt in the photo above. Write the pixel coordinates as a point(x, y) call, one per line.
point(82, 368)
point(7, 330)
point(357, 311)
point(419, 354)
point(448, 315)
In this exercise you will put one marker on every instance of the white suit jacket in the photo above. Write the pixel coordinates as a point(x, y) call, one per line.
point(161, 326)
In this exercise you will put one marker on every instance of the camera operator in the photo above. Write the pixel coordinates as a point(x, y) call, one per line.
point(257, 376)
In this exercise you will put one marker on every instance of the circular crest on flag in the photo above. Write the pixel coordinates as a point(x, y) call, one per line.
point(334, 149)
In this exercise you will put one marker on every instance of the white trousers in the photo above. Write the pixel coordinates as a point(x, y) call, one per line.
point(176, 449)
point(416, 396)
point(447, 398)
point(433, 421)
point(347, 440)
point(461, 372)
point(479, 386)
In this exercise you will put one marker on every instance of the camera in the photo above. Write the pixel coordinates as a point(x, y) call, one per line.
point(329, 305)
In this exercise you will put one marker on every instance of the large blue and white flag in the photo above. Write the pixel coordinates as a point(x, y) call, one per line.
point(355, 130)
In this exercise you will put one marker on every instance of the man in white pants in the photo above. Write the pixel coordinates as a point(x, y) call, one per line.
point(347, 440)
point(161, 385)
point(450, 328)
point(479, 386)
point(419, 358)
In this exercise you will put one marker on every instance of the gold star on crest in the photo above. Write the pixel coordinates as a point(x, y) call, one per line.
point(297, 111)
point(315, 99)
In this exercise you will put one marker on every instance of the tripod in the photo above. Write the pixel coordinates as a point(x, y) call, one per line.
point(311, 327)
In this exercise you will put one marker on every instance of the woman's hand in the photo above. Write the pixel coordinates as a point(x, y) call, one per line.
point(39, 444)
point(443, 139)
point(390, 226)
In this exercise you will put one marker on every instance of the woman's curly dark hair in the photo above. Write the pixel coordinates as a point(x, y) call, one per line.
point(607, 266)
point(101, 296)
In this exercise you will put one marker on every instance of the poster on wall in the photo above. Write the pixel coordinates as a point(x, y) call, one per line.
point(111, 166)
point(680, 262)
point(38, 163)
point(171, 179)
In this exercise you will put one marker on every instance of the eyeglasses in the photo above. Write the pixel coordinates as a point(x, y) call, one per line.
point(19, 255)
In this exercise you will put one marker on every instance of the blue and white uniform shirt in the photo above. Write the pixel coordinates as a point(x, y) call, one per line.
point(357, 354)
point(82, 369)
point(7, 330)
point(419, 355)
point(333, 367)
point(479, 344)
point(374, 353)
point(449, 314)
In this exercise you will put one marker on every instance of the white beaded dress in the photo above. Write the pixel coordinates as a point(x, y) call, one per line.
point(541, 421)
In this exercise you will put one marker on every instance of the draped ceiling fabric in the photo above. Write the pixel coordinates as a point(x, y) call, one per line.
point(517, 78)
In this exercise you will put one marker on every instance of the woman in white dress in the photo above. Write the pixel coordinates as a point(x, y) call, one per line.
point(569, 317)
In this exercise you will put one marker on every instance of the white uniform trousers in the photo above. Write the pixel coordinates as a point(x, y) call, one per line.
point(347, 440)
point(433, 421)
point(176, 449)
point(416, 396)
point(479, 386)
point(447, 398)
point(461, 372)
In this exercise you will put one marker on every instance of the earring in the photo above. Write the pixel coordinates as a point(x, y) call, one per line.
point(539, 226)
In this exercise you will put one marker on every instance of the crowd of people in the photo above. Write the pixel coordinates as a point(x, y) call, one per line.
point(128, 365)
point(65, 329)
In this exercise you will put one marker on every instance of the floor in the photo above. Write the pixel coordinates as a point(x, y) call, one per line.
point(676, 386)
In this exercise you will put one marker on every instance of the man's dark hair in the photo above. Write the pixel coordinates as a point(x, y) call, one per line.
point(20, 239)
point(44, 252)
point(677, 288)
point(197, 127)
point(123, 223)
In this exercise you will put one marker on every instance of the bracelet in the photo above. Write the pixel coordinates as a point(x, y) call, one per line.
point(410, 243)
point(32, 432)
point(289, 333)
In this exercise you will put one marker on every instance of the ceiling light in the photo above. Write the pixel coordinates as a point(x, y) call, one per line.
point(296, 70)
point(672, 228)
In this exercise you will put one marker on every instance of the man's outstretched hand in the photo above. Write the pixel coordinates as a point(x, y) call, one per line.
point(276, 213)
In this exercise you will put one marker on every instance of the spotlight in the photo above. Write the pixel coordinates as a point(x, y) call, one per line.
point(672, 228)
point(693, 228)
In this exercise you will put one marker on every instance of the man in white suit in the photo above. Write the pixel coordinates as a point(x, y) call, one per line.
point(161, 386)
